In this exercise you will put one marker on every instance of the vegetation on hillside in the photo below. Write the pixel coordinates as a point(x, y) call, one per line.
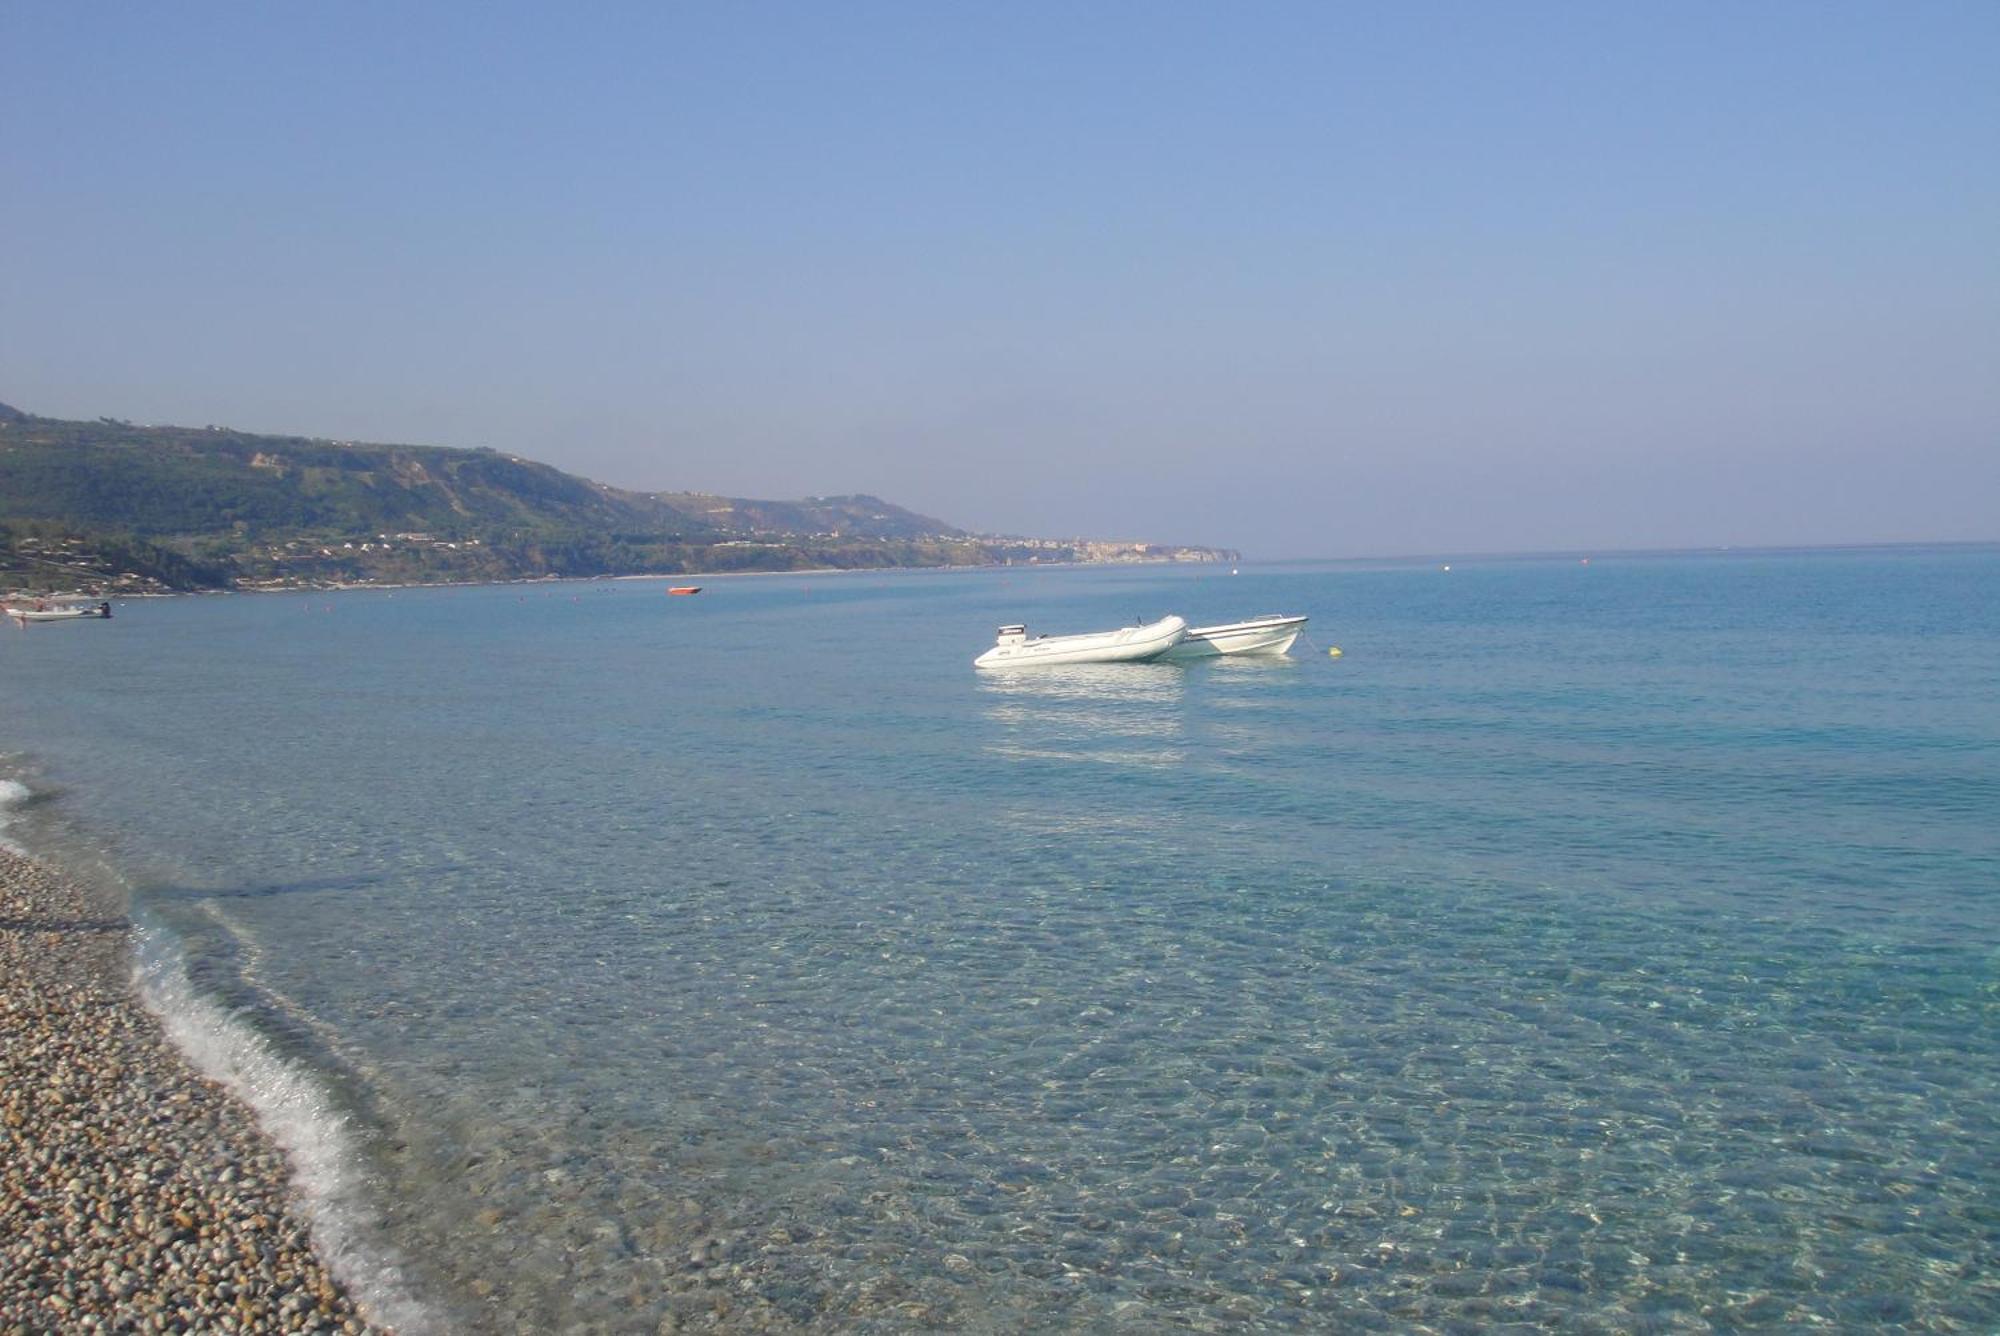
point(179, 482)
point(38, 554)
point(190, 508)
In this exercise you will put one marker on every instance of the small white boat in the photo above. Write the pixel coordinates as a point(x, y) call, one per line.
point(1260, 635)
point(44, 611)
point(1130, 644)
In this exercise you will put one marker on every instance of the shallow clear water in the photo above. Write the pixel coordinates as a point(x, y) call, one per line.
point(1607, 946)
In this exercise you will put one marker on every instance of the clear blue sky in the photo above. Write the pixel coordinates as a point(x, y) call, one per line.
point(1304, 279)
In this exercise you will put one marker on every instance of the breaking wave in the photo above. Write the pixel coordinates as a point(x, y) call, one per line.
point(13, 795)
point(299, 1117)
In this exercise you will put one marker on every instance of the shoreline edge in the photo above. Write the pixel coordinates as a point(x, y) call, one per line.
point(136, 1193)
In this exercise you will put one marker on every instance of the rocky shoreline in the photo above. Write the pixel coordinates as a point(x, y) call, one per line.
point(135, 1195)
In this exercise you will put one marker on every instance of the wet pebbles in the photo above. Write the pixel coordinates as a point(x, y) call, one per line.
point(134, 1195)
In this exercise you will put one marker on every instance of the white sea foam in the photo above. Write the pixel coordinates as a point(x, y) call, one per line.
point(299, 1117)
point(13, 793)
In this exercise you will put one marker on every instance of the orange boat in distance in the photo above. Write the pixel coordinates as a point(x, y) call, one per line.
point(685, 589)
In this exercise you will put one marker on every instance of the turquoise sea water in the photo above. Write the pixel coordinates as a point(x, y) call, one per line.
point(1600, 947)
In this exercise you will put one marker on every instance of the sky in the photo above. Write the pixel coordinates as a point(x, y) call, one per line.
point(1318, 279)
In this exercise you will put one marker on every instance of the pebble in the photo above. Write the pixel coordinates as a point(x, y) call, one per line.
point(134, 1194)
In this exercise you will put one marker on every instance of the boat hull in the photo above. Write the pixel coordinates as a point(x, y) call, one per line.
point(26, 615)
point(1260, 635)
point(1130, 644)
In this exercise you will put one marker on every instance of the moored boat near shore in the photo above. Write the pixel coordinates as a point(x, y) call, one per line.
point(1271, 634)
point(1130, 644)
point(43, 610)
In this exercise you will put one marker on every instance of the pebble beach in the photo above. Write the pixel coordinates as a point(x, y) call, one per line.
point(136, 1196)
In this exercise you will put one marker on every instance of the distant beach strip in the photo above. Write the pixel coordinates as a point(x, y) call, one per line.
point(135, 1195)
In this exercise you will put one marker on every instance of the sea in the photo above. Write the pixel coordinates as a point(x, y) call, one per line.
point(1589, 945)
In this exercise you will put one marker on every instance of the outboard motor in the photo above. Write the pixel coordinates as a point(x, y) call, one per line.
point(104, 611)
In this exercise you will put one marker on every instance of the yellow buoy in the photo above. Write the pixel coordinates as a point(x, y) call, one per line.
point(1333, 653)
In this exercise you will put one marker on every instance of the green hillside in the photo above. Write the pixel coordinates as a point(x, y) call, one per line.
point(116, 505)
point(180, 482)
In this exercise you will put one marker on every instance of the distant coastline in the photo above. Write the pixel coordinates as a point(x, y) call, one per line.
point(112, 508)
